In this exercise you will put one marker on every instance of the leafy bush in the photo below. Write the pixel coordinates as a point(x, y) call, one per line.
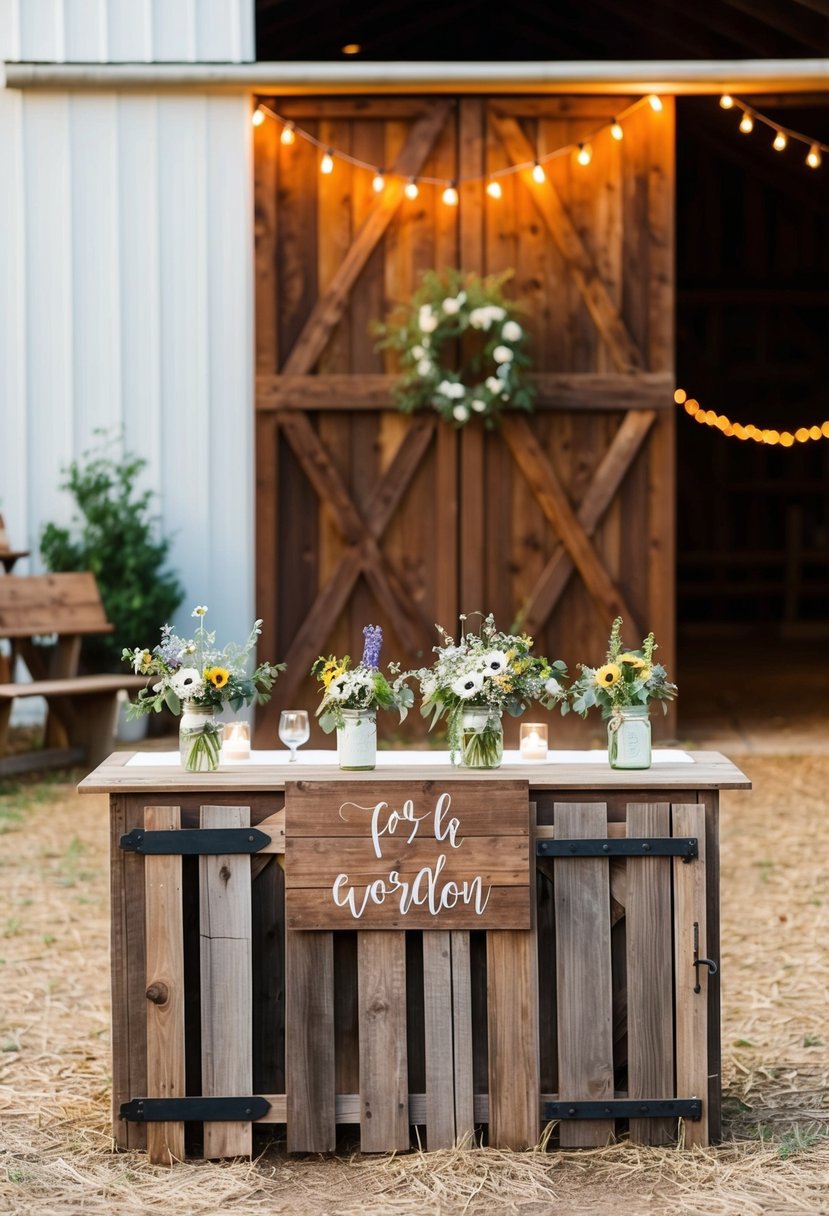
point(116, 536)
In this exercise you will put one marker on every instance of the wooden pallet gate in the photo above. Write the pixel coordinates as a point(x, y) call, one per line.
point(437, 955)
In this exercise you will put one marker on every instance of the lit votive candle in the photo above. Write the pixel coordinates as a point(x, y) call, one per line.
point(236, 741)
point(533, 741)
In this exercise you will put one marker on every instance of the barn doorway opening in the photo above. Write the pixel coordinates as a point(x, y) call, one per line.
point(753, 344)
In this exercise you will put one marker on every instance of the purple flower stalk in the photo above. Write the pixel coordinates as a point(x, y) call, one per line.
point(371, 650)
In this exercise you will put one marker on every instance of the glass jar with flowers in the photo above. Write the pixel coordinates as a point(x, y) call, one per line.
point(196, 680)
point(351, 697)
point(623, 688)
point(474, 680)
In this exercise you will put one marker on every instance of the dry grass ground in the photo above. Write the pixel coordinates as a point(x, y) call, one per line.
point(55, 1148)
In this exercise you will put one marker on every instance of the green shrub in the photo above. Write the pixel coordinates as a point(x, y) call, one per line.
point(115, 535)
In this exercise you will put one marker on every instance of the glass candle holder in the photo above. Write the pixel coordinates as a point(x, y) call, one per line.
point(533, 743)
point(236, 741)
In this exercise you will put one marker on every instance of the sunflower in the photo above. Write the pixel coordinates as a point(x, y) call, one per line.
point(218, 676)
point(632, 660)
point(331, 671)
point(607, 676)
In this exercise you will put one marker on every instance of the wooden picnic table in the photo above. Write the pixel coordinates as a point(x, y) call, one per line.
point(605, 996)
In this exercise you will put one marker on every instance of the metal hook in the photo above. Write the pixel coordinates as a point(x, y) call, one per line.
point(701, 962)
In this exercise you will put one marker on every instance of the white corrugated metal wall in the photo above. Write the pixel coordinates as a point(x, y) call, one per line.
point(126, 269)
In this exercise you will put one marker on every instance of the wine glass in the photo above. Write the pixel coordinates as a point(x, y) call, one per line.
point(294, 729)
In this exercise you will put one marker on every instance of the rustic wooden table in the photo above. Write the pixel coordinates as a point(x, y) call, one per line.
point(215, 992)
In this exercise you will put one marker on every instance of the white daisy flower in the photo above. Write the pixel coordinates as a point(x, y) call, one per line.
point(451, 306)
point(479, 406)
point(456, 390)
point(479, 318)
point(468, 686)
point(445, 388)
point(511, 331)
point(187, 683)
point(460, 413)
point(199, 610)
point(424, 367)
point(495, 663)
point(552, 687)
point(502, 354)
point(493, 384)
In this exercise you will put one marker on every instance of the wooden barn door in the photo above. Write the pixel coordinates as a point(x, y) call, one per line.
point(559, 521)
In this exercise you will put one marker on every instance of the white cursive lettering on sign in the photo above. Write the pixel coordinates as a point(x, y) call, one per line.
point(426, 889)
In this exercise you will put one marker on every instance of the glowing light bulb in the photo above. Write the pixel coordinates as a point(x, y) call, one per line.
point(494, 189)
point(410, 189)
point(801, 434)
point(824, 430)
point(786, 439)
point(351, 48)
point(327, 163)
point(538, 173)
point(746, 124)
point(680, 395)
point(378, 182)
point(288, 135)
point(813, 158)
point(616, 130)
point(780, 141)
point(655, 103)
point(258, 117)
point(450, 195)
point(726, 101)
point(584, 154)
point(814, 432)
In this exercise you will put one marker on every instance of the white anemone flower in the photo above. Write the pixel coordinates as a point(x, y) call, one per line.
point(424, 367)
point(511, 331)
point(468, 686)
point(339, 688)
point(493, 384)
point(479, 406)
point(460, 413)
point(187, 683)
point(552, 687)
point(502, 354)
point(495, 663)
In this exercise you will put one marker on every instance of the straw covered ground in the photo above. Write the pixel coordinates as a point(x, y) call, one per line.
point(55, 1149)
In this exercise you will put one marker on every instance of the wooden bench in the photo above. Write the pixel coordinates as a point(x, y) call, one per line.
point(82, 710)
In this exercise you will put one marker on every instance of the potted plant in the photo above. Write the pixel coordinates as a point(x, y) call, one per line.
point(623, 688)
point(351, 697)
point(474, 680)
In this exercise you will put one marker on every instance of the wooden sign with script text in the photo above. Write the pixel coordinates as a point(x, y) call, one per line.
point(407, 854)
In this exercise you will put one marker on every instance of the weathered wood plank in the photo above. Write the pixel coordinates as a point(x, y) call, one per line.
point(533, 463)
point(462, 1038)
point(502, 859)
point(592, 391)
point(580, 264)
point(165, 986)
point(691, 1007)
point(710, 801)
point(438, 1011)
point(384, 1089)
point(309, 1042)
point(129, 977)
point(330, 306)
point(313, 908)
point(226, 982)
point(650, 974)
point(585, 1043)
point(606, 481)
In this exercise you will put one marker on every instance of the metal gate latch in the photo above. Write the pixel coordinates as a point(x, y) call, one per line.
point(701, 962)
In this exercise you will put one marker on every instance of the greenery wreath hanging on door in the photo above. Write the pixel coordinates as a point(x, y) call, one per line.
point(463, 351)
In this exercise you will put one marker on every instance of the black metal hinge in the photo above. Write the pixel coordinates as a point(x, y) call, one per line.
point(621, 846)
point(201, 841)
point(201, 1110)
point(625, 1108)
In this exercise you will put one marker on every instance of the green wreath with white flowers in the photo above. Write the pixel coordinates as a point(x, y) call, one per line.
point(462, 348)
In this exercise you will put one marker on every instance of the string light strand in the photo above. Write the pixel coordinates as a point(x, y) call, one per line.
point(783, 136)
point(580, 149)
point(739, 430)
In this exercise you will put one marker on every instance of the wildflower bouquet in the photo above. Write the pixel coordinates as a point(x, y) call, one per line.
point(627, 680)
point(488, 671)
point(362, 687)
